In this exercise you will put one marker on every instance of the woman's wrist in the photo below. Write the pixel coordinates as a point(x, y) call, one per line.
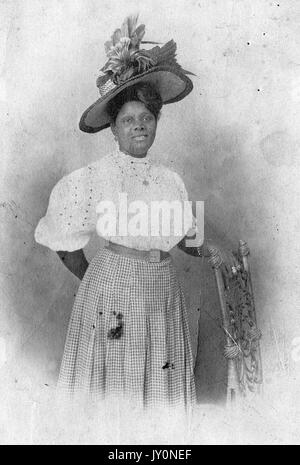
point(207, 248)
point(195, 251)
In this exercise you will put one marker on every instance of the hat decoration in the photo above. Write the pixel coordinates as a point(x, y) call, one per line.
point(126, 59)
point(128, 63)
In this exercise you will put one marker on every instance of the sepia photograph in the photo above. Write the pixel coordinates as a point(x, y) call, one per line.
point(150, 224)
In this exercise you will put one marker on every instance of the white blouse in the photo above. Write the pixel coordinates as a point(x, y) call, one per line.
point(129, 201)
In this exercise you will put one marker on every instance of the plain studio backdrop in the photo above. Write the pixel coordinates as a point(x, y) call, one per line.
point(234, 140)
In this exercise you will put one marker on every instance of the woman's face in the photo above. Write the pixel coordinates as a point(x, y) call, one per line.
point(135, 129)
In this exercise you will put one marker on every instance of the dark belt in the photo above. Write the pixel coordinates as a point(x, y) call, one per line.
point(153, 256)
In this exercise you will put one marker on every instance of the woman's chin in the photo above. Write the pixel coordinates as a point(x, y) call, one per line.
point(139, 148)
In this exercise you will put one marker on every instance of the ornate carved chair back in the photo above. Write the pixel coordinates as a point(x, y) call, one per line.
point(242, 336)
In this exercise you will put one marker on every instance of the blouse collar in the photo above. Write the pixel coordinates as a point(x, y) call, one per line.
point(130, 159)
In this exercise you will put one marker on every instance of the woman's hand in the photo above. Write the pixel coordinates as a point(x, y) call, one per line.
point(226, 258)
point(217, 255)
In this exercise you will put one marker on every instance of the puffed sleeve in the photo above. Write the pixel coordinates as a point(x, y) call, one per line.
point(71, 215)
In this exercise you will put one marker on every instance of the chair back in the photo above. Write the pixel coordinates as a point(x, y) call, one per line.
point(242, 335)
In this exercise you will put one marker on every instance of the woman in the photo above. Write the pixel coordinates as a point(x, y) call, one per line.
point(128, 333)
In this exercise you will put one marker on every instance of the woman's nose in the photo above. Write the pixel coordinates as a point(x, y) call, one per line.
point(139, 126)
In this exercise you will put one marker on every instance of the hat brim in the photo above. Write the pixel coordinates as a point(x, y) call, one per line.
point(172, 84)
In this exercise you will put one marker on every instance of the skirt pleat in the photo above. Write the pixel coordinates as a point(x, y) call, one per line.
point(128, 334)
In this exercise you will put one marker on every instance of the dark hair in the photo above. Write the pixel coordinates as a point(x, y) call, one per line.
point(142, 92)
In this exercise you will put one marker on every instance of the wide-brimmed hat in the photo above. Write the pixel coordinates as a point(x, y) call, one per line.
point(128, 65)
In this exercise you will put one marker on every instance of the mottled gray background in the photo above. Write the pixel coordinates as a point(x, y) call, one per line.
point(234, 140)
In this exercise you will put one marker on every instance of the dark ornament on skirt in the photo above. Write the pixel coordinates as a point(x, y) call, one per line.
point(117, 332)
point(168, 365)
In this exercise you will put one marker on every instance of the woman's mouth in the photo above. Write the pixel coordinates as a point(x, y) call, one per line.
point(141, 137)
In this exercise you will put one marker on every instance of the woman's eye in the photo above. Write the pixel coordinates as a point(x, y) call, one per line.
point(127, 120)
point(148, 118)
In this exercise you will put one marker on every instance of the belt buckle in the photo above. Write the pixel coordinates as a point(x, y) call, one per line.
point(154, 255)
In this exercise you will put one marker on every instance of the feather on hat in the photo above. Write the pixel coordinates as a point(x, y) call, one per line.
point(128, 64)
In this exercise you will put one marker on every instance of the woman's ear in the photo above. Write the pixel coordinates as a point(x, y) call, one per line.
point(113, 130)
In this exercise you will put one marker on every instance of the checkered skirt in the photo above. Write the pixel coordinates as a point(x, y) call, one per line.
point(128, 334)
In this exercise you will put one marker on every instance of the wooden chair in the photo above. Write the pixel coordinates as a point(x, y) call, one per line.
point(242, 336)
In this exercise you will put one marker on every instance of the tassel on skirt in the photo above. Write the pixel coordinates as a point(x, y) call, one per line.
point(128, 335)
